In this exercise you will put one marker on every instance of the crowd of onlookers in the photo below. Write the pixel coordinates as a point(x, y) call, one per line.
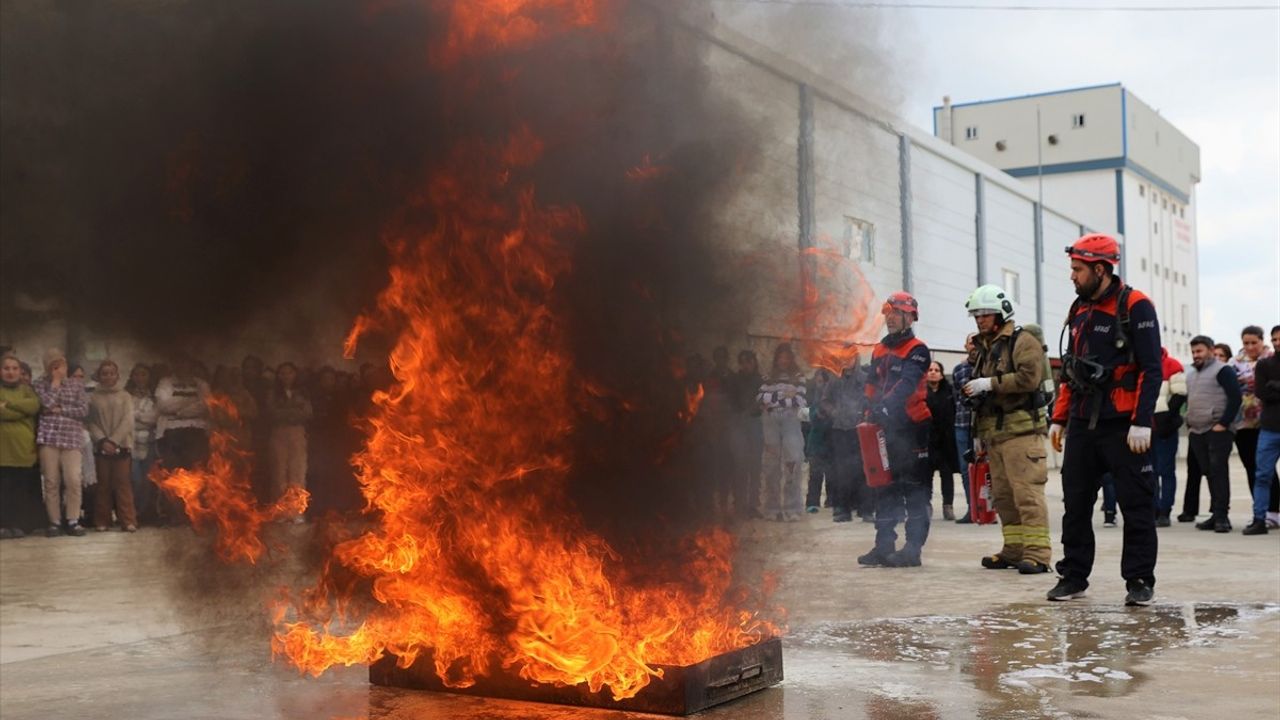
point(77, 448)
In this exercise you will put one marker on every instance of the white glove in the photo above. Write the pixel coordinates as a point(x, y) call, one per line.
point(1056, 434)
point(1139, 439)
point(977, 386)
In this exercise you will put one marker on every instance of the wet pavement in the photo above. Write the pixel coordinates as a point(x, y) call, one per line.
point(104, 627)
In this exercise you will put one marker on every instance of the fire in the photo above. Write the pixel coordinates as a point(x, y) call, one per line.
point(220, 494)
point(835, 317)
point(477, 557)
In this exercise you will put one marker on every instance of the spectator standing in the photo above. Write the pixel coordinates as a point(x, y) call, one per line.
point(287, 414)
point(960, 375)
point(1164, 442)
point(1267, 389)
point(941, 399)
point(60, 438)
point(110, 428)
point(817, 445)
point(1246, 428)
point(844, 401)
point(746, 439)
point(20, 510)
point(88, 468)
point(1222, 351)
point(782, 396)
point(331, 440)
point(715, 413)
point(182, 426)
point(144, 445)
point(1213, 399)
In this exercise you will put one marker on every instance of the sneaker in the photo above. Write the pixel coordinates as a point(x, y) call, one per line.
point(1140, 593)
point(76, 530)
point(903, 558)
point(948, 512)
point(1257, 527)
point(1222, 525)
point(874, 558)
point(1108, 519)
point(1162, 519)
point(1067, 590)
point(1186, 517)
point(1273, 520)
point(52, 531)
point(812, 509)
point(1205, 524)
point(995, 562)
point(1031, 567)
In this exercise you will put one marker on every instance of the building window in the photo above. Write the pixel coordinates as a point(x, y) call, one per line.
point(1077, 120)
point(1142, 191)
point(1144, 264)
point(971, 132)
point(1164, 203)
point(1185, 324)
point(1184, 279)
point(1166, 273)
point(1157, 269)
point(859, 240)
point(1012, 286)
point(1182, 212)
point(1156, 227)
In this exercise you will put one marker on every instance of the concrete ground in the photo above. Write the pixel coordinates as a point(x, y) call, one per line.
point(102, 627)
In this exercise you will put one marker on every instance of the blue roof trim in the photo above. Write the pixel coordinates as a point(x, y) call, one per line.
point(1032, 95)
point(1155, 180)
point(1104, 164)
point(1081, 166)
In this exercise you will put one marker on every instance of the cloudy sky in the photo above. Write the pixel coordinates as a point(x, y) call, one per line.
point(1215, 75)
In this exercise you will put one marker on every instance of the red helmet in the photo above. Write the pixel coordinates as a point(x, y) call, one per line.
point(1096, 247)
point(903, 302)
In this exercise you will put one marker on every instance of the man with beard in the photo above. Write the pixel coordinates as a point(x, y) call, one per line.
point(1104, 410)
point(896, 396)
point(1213, 401)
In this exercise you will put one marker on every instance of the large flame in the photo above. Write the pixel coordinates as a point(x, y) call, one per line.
point(835, 318)
point(477, 555)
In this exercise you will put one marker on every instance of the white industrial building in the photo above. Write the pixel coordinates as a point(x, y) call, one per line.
point(1108, 158)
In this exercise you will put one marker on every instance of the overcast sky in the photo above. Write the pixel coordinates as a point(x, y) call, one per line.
point(1215, 75)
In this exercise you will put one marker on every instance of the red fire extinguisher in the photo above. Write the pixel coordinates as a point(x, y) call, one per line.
point(982, 508)
point(875, 455)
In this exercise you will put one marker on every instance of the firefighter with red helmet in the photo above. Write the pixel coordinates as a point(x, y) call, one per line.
point(1008, 401)
point(1111, 374)
point(896, 397)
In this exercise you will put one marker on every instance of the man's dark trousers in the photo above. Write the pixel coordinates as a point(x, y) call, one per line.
point(1212, 451)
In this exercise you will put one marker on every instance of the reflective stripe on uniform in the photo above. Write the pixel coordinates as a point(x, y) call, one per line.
point(1035, 536)
point(1013, 534)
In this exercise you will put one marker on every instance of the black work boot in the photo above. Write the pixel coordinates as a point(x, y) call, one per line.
point(1206, 524)
point(1067, 590)
point(1257, 527)
point(1187, 517)
point(1031, 567)
point(1162, 519)
point(996, 562)
point(1140, 593)
point(874, 558)
point(1221, 525)
point(906, 557)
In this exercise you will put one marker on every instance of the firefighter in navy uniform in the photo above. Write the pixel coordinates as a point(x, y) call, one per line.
point(1111, 378)
point(896, 398)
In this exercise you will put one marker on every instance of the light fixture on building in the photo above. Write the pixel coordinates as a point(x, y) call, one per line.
point(1053, 139)
point(1000, 146)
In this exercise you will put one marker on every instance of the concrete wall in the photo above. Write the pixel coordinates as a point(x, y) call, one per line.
point(1159, 147)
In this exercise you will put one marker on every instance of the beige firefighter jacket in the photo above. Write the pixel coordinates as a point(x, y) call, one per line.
point(1007, 410)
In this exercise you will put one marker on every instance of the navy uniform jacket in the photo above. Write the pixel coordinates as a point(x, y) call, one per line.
point(1135, 385)
point(896, 384)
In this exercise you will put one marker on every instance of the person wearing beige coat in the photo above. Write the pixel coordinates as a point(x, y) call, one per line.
point(111, 429)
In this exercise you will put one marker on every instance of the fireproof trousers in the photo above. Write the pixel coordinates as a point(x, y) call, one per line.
point(1088, 454)
point(783, 460)
point(1213, 452)
point(115, 489)
point(61, 468)
point(1018, 476)
point(907, 498)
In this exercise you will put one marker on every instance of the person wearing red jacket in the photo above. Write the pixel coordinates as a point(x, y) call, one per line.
point(896, 398)
point(1104, 412)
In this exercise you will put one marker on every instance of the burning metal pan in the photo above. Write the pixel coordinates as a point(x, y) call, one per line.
point(682, 690)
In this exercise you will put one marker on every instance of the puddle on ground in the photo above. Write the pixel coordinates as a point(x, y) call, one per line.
point(1013, 653)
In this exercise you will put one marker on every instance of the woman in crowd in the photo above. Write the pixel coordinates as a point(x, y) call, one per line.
point(1222, 351)
point(60, 438)
point(746, 441)
point(139, 388)
point(818, 447)
point(782, 396)
point(288, 413)
point(110, 428)
point(943, 456)
point(88, 469)
point(1252, 349)
point(20, 510)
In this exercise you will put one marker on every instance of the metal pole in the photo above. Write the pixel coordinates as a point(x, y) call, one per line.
point(1039, 234)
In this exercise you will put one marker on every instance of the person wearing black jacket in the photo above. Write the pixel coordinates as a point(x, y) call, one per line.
point(746, 438)
point(1266, 383)
point(941, 399)
point(1103, 413)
